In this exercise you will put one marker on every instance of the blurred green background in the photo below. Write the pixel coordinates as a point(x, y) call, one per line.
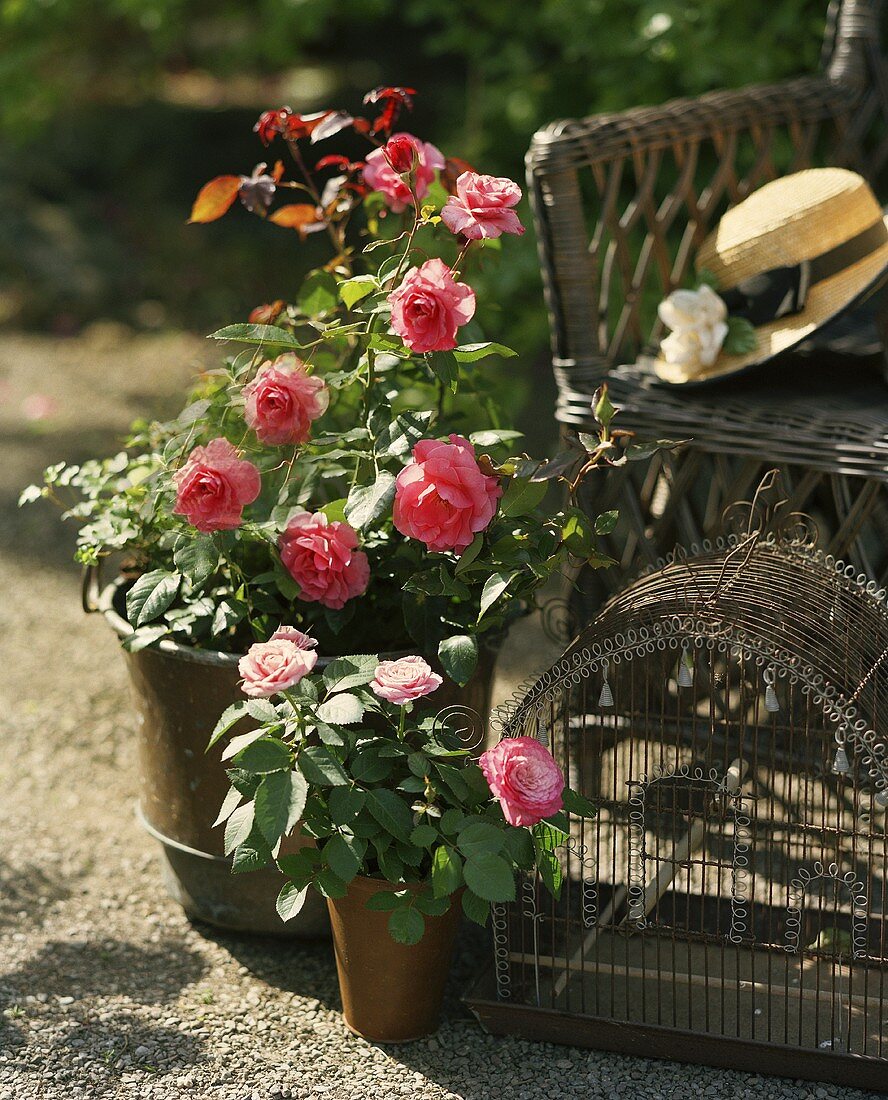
point(114, 112)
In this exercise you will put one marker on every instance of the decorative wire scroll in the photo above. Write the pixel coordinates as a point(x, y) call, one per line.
point(464, 723)
point(798, 888)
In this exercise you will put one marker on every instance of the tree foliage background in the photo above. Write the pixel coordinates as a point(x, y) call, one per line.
point(114, 112)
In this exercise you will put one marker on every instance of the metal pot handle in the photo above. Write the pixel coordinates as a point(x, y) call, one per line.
point(90, 587)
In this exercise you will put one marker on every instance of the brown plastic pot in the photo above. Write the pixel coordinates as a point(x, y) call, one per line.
point(391, 992)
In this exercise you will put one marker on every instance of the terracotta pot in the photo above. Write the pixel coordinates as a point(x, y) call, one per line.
point(391, 993)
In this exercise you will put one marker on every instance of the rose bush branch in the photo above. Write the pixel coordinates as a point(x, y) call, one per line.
point(345, 471)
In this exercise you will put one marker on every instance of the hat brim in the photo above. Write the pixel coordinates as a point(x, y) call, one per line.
point(825, 302)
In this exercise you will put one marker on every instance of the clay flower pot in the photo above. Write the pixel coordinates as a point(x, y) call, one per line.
point(391, 993)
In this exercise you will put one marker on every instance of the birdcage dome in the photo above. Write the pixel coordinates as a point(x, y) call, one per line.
point(800, 614)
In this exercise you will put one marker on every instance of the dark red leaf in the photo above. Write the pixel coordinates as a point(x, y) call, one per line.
point(392, 100)
point(334, 160)
point(300, 126)
point(453, 169)
point(214, 198)
point(270, 124)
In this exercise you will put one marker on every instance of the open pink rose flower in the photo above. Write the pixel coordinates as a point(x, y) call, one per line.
point(282, 401)
point(442, 498)
point(269, 667)
point(404, 680)
point(430, 306)
point(523, 775)
point(379, 175)
point(482, 207)
point(321, 555)
point(214, 486)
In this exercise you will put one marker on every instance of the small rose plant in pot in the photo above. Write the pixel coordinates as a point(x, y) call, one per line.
point(383, 791)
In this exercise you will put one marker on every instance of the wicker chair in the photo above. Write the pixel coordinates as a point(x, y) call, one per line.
point(621, 202)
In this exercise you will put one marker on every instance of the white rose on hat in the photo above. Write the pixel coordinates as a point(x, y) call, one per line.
point(698, 319)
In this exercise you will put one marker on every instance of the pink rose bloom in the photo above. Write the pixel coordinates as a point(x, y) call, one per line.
point(322, 557)
point(523, 775)
point(481, 207)
point(214, 486)
point(404, 680)
point(442, 498)
point(297, 637)
point(282, 401)
point(269, 667)
point(429, 306)
point(381, 176)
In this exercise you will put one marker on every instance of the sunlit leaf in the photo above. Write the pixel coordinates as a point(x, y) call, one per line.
point(214, 198)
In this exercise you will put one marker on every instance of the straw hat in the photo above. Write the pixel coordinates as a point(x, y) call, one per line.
point(790, 258)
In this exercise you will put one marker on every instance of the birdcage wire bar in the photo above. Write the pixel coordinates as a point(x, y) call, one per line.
point(726, 903)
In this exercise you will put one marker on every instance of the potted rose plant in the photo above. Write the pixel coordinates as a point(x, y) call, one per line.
point(410, 830)
point(345, 471)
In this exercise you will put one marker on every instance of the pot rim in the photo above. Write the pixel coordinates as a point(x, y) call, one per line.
point(179, 652)
point(166, 645)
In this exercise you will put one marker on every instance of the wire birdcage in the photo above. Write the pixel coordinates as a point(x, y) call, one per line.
point(726, 904)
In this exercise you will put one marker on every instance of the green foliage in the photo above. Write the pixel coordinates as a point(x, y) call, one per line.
point(399, 800)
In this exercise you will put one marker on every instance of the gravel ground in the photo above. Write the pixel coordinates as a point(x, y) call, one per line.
point(106, 990)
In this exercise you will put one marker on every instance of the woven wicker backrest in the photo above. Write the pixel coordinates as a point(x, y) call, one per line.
point(622, 201)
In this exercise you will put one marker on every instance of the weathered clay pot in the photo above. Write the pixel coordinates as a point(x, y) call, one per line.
point(179, 694)
point(391, 993)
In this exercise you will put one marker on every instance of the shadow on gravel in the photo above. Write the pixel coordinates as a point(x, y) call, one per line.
point(27, 892)
point(150, 975)
point(306, 967)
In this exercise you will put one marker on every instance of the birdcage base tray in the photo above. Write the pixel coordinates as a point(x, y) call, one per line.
point(651, 1040)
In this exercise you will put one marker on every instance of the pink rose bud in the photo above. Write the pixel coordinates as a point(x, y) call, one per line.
point(321, 555)
point(297, 637)
point(523, 775)
point(214, 486)
point(282, 401)
point(273, 666)
point(430, 306)
point(401, 155)
point(404, 680)
point(442, 498)
point(481, 207)
point(379, 175)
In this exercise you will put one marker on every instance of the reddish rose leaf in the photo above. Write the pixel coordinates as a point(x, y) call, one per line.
point(301, 216)
point(267, 314)
point(392, 100)
point(300, 126)
point(453, 169)
point(269, 124)
point(333, 160)
point(214, 198)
